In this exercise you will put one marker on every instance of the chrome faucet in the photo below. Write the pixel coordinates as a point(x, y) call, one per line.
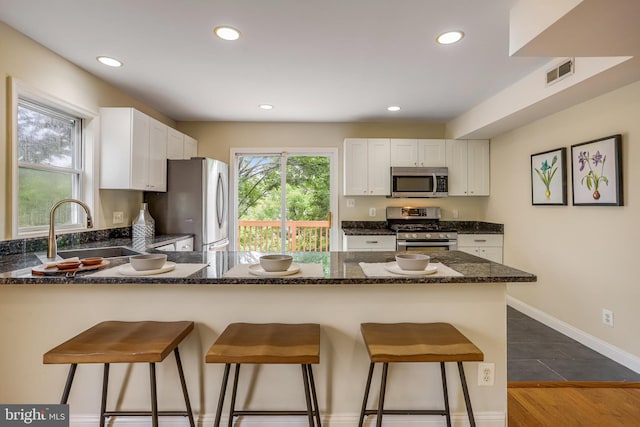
point(52, 247)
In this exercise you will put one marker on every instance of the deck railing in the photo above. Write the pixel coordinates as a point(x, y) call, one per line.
point(266, 236)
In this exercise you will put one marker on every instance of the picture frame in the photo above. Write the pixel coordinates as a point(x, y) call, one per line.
point(549, 177)
point(596, 172)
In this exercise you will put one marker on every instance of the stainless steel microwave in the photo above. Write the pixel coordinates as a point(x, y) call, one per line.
point(419, 181)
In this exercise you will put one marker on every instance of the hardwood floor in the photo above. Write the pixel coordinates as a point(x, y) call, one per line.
point(573, 404)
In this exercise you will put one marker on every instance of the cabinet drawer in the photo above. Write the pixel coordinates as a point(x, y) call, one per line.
point(480, 240)
point(370, 243)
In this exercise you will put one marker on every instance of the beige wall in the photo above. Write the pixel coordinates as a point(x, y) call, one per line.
point(585, 257)
point(42, 70)
point(216, 139)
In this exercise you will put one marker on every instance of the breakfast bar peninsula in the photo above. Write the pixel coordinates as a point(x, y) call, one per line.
point(331, 289)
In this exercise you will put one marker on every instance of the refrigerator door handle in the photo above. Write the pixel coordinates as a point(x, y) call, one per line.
point(220, 204)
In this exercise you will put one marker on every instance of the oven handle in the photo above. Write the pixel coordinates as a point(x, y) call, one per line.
point(404, 244)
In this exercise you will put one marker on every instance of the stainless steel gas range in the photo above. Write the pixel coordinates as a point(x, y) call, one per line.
point(418, 229)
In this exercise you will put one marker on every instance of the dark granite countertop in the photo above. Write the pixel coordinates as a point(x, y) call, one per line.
point(367, 228)
point(340, 268)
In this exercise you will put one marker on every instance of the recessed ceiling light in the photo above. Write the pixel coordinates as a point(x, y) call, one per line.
point(111, 62)
point(266, 106)
point(450, 37)
point(393, 108)
point(226, 33)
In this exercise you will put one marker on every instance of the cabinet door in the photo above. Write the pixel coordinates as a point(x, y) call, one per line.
point(175, 145)
point(456, 161)
point(139, 151)
point(370, 243)
point(432, 152)
point(478, 167)
point(157, 156)
point(379, 165)
point(355, 167)
point(190, 147)
point(404, 152)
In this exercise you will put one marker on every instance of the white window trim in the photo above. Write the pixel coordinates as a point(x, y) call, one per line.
point(89, 151)
point(332, 153)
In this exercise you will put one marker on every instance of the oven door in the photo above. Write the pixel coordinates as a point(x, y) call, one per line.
point(426, 245)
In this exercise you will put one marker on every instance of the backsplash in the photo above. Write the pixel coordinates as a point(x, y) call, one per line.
point(39, 244)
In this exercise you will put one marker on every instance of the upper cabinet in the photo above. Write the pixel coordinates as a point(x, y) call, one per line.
point(418, 152)
point(468, 163)
point(366, 167)
point(181, 146)
point(133, 153)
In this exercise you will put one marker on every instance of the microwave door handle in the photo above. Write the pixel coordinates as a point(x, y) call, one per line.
point(434, 183)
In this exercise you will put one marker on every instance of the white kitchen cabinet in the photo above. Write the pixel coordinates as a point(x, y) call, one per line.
point(175, 145)
point(181, 146)
point(418, 152)
point(190, 147)
point(366, 167)
point(488, 246)
point(468, 163)
point(133, 152)
point(369, 243)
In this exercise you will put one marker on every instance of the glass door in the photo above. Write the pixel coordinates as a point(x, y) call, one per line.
point(283, 202)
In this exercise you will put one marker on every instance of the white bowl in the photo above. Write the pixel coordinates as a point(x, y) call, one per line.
point(412, 262)
point(147, 261)
point(275, 262)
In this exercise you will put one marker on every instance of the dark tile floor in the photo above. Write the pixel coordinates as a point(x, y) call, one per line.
point(536, 352)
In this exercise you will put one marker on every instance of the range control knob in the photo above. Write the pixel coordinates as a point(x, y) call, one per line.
point(428, 236)
point(414, 235)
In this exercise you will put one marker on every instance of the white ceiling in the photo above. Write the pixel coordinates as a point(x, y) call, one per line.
point(315, 61)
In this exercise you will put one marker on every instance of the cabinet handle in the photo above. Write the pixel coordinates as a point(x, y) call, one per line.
point(372, 241)
point(480, 240)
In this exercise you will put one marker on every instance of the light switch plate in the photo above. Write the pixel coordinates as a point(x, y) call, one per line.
point(118, 217)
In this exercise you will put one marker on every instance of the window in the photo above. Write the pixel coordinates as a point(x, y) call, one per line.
point(49, 151)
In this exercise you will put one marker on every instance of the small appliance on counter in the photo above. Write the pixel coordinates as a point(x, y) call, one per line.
point(418, 229)
point(196, 202)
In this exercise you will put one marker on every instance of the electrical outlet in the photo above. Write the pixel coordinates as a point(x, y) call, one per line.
point(486, 373)
point(607, 317)
point(455, 213)
point(372, 211)
point(351, 203)
point(118, 217)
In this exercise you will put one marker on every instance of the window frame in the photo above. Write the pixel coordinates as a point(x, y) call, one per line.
point(86, 161)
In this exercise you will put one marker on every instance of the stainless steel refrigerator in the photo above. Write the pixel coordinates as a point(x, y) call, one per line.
point(196, 202)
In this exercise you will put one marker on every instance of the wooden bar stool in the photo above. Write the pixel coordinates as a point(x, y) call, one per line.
point(416, 342)
point(271, 343)
point(125, 342)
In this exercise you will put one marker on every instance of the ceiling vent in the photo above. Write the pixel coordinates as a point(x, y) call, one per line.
point(561, 71)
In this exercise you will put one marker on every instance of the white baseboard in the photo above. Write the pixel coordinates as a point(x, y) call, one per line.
point(483, 419)
point(612, 352)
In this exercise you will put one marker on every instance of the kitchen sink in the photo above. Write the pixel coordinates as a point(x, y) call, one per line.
point(108, 252)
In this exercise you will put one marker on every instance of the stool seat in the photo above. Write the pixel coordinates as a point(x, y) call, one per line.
point(269, 343)
point(418, 342)
point(121, 342)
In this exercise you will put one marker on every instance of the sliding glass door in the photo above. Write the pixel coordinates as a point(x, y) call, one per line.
point(284, 201)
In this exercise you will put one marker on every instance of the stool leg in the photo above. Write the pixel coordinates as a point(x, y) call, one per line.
point(313, 394)
point(366, 394)
point(383, 386)
point(184, 387)
point(105, 386)
point(233, 395)
point(307, 394)
point(154, 396)
point(465, 391)
point(445, 394)
point(223, 390)
point(67, 386)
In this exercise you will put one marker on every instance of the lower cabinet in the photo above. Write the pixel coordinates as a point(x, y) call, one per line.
point(369, 243)
point(488, 246)
point(184, 245)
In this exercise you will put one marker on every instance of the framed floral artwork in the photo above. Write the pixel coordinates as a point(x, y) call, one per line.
point(596, 172)
point(549, 177)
